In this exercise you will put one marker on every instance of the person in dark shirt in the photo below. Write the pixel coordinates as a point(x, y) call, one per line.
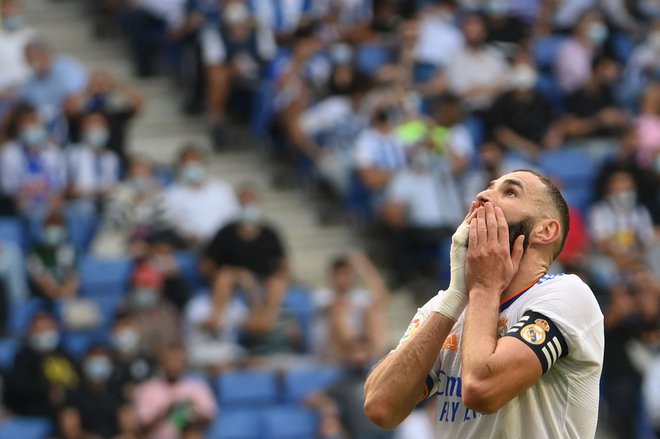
point(96, 407)
point(42, 371)
point(520, 117)
point(591, 110)
point(132, 367)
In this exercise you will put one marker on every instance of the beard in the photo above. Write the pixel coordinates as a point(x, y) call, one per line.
point(522, 227)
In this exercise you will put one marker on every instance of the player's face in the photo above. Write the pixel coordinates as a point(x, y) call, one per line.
point(517, 194)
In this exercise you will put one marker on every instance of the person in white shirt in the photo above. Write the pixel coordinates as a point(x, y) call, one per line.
point(478, 73)
point(92, 171)
point(14, 38)
point(508, 350)
point(198, 205)
point(439, 38)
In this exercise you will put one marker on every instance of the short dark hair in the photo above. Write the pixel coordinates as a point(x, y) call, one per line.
point(560, 205)
point(339, 263)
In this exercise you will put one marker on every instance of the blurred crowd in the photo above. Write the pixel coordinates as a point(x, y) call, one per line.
point(130, 287)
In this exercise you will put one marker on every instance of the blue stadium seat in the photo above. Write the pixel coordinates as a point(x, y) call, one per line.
point(11, 230)
point(8, 350)
point(371, 57)
point(576, 170)
point(290, 423)
point(76, 343)
point(100, 276)
point(25, 428)
point(545, 51)
point(236, 424)
point(21, 314)
point(300, 383)
point(189, 266)
point(299, 303)
point(247, 388)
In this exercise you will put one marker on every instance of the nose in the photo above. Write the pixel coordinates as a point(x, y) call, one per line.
point(484, 196)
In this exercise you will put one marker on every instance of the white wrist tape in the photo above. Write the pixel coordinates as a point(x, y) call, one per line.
point(454, 299)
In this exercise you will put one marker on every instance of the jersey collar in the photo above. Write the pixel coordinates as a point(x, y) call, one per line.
point(507, 303)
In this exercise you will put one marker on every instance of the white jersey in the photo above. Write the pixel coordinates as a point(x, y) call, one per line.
point(560, 320)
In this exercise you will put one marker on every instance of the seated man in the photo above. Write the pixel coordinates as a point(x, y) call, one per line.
point(132, 366)
point(42, 372)
point(167, 403)
point(14, 37)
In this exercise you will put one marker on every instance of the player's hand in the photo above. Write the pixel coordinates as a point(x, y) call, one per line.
point(490, 264)
point(454, 299)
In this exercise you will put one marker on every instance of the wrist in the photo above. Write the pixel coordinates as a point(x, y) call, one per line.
point(482, 293)
point(451, 303)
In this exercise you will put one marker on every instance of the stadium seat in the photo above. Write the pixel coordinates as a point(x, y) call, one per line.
point(8, 350)
point(236, 424)
point(371, 57)
point(21, 314)
point(299, 303)
point(25, 428)
point(290, 423)
point(100, 276)
point(247, 388)
point(576, 170)
point(300, 383)
point(11, 230)
point(188, 264)
point(545, 51)
point(76, 343)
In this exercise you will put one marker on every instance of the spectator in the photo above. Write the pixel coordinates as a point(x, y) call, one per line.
point(249, 253)
point(95, 408)
point(134, 209)
point(573, 65)
point(341, 407)
point(621, 230)
point(161, 257)
point(119, 102)
point(156, 319)
point(212, 325)
point(32, 168)
point(56, 79)
point(132, 367)
point(520, 118)
point(379, 154)
point(648, 126)
point(14, 38)
point(197, 205)
point(422, 208)
point(93, 170)
point(346, 312)
point(235, 51)
point(642, 68)
point(42, 373)
point(505, 29)
point(167, 403)
point(52, 264)
point(477, 73)
point(591, 110)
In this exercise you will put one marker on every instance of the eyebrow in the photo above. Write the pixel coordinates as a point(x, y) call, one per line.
point(509, 181)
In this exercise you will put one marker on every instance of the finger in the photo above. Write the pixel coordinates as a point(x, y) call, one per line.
point(502, 226)
point(482, 231)
point(491, 222)
point(473, 238)
point(471, 212)
point(517, 253)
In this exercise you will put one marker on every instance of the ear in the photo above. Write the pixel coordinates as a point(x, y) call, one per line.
point(546, 232)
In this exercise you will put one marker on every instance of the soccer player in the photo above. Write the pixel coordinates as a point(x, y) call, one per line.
point(509, 350)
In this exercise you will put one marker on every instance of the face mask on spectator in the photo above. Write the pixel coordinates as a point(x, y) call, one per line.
point(523, 77)
point(142, 183)
point(12, 23)
point(53, 235)
point(251, 214)
point(341, 54)
point(193, 173)
point(97, 368)
point(144, 298)
point(623, 200)
point(420, 160)
point(126, 340)
point(498, 8)
point(34, 136)
point(597, 33)
point(97, 138)
point(236, 14)
point(44, 341)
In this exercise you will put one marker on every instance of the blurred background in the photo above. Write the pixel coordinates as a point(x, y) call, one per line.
point(217, 215)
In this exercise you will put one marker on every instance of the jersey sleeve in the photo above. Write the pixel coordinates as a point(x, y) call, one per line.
point(542, 335)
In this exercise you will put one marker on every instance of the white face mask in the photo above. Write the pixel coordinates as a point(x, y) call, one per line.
point(97, 138)
point(45, 341)
point(597, 33)
point(523, 77)
point(126, 340)
point(98, 368)
point(54, 235)
point(625, 200)
point(34, 136)
point(251, 214)
point(144, 298)
point(193, 173)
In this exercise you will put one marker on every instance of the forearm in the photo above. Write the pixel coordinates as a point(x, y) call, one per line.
point(396, 384)
point(479, 335)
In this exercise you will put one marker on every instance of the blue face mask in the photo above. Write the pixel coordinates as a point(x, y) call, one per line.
point(34, 136)
point(12, 23)
point(98, 368)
